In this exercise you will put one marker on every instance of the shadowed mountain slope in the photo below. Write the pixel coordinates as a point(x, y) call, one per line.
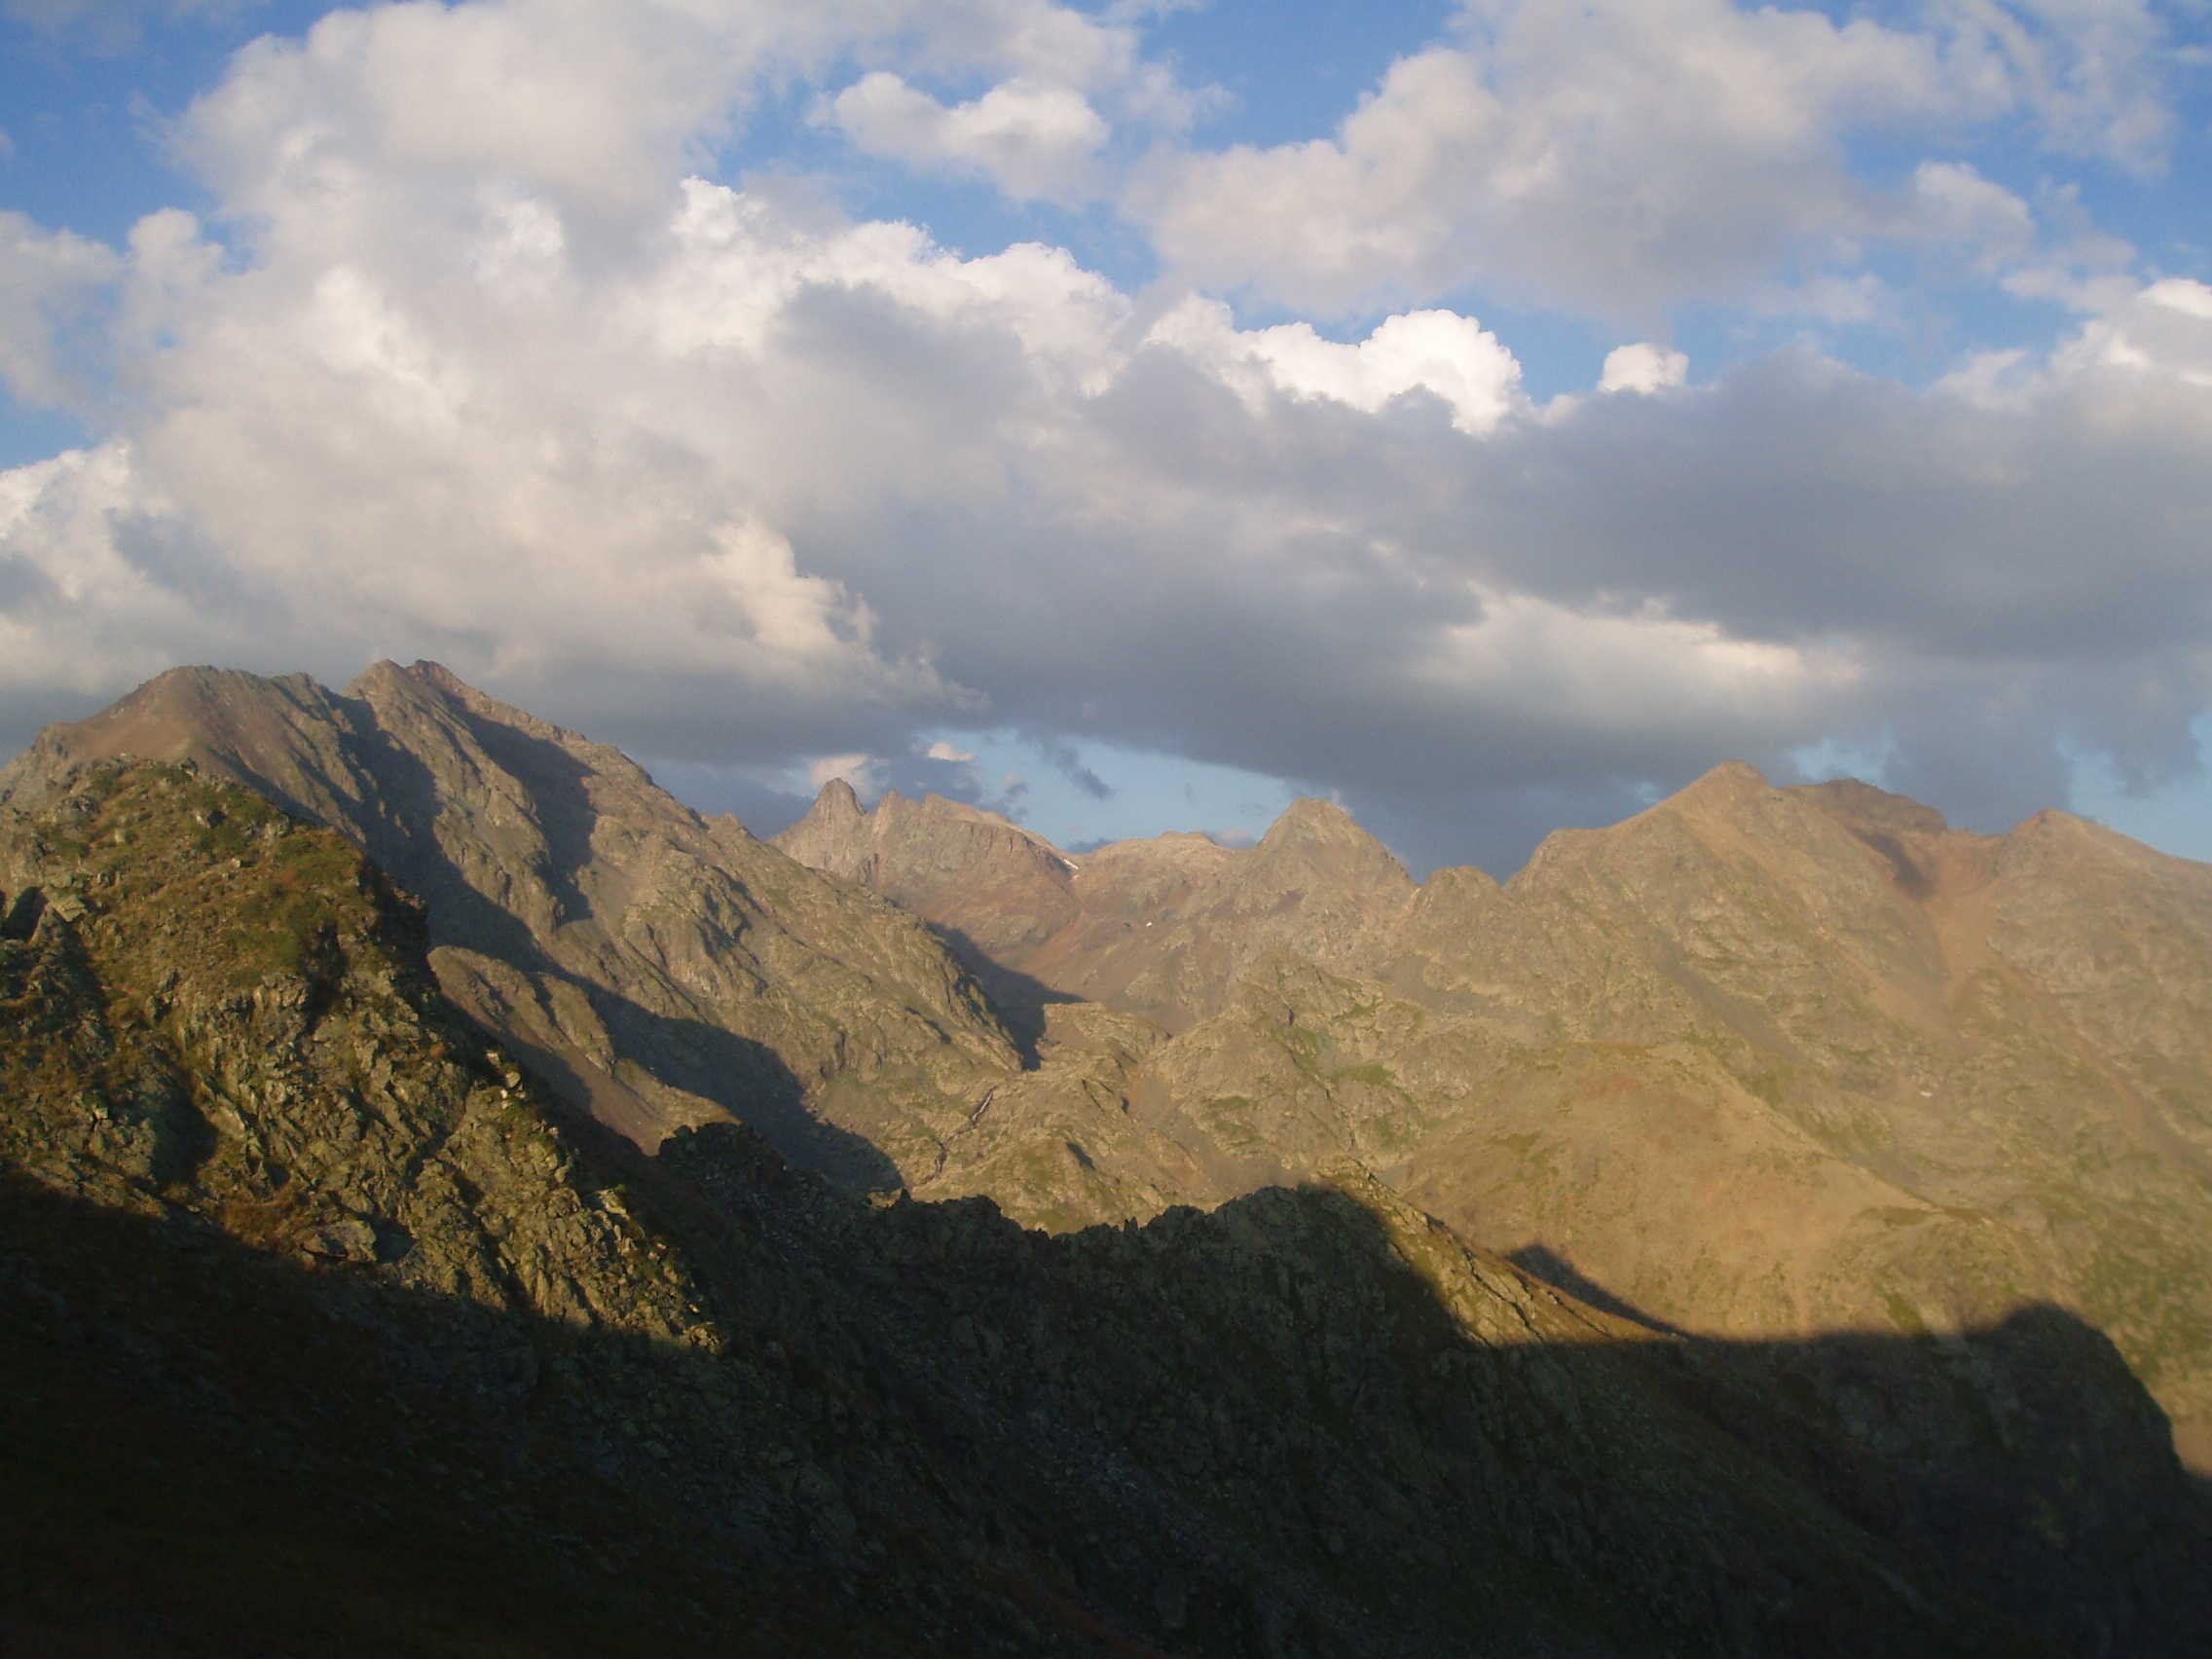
point(338, 1334)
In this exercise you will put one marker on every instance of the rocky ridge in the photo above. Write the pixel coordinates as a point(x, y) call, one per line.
point(1161, 927)
point(666, 969)
point(1758, 1061)
point(337, 1330)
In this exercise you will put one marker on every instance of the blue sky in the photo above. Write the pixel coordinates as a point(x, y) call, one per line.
point(1490, 415)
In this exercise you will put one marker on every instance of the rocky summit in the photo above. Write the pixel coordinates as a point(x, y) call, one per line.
point(457, 1201)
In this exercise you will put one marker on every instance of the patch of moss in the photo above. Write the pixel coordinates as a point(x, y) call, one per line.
point(1904, 1315)
point(1767, 1085)
point(1374, 1077)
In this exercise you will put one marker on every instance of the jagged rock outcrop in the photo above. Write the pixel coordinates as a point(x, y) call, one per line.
point(331, 1330)
point(222, 1010)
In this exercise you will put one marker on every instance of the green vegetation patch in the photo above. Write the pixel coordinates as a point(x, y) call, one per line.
point(224, 884)
point(1903, 1313)
point(1374, 1076)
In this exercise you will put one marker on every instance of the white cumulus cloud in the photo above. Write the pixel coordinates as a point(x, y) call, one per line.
point(1450, 358)
point(1031, 138)
point(47, 278)
point(1620, 157)
point(1643, 367)
point(718, 471)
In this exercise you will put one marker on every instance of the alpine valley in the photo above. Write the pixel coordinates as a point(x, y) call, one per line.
point(457, 1200)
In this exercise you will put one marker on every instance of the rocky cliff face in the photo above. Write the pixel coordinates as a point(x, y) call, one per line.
point(332, 1330)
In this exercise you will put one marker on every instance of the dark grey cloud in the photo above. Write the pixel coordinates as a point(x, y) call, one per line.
point(1066, 759)
point(1985, 585)
point(1796, 499)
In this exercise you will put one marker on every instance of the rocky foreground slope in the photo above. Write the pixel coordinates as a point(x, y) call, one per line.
point(332, 1330)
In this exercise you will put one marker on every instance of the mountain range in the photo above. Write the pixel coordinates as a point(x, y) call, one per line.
point(1752, 1205)
point(1757, 1060)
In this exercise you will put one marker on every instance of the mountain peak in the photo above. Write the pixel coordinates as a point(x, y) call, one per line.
point(207, 716)
point(944, 809)
point(387, 676)
point(1730, 782)
point(1184, 849)
point(190, 680)
point(199, 688)
point(435, 674)
point(838, 802)
point(381, 673)
point(2055, 829)
point(1313, 827)
point(1312, 818)
point(835, 833)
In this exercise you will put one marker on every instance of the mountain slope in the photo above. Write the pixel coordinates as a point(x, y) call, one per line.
point(1760, 1062)
point(1757, 1060)
point(340, 1336)
point(1161, 928)
point(2012, 1029)
point(667, 969)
